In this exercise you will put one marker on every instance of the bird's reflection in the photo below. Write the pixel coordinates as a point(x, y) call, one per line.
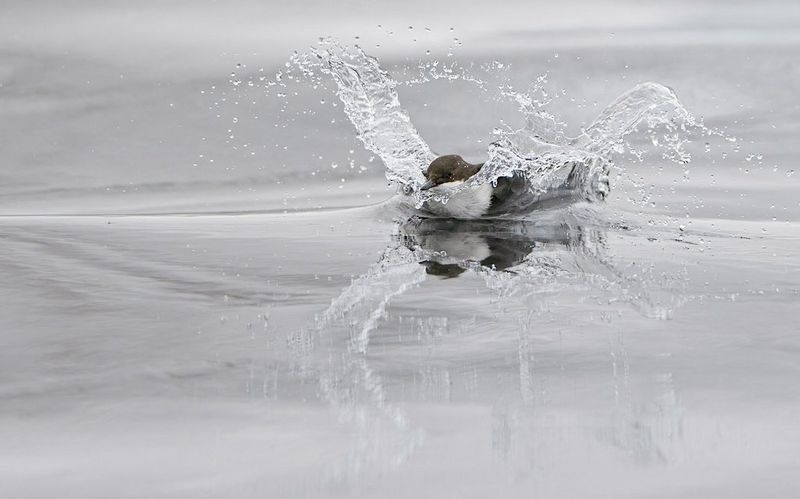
point(453, 246)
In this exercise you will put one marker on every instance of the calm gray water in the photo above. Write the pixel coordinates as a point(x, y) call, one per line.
point(197, 307)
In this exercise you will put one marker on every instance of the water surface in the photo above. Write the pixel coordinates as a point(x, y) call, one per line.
point(267, 325)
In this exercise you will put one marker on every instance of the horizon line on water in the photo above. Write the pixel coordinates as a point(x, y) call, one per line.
point(192, 214)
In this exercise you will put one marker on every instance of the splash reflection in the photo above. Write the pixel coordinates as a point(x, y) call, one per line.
point(527, 266)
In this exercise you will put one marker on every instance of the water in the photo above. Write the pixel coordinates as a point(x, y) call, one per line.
point(277, 323)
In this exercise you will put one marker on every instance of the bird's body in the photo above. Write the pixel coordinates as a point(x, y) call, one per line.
point(507, 195)
point(464, 203)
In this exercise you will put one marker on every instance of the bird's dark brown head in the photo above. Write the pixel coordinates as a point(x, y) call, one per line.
point(449, 168)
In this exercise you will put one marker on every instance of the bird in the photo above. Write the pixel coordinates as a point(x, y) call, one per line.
point(508, 195)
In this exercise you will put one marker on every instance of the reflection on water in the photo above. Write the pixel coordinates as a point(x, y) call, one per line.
point(542, 360)
point(454, 246)
point(523, 262)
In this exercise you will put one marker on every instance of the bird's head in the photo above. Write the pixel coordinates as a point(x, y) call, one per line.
point(447, 169)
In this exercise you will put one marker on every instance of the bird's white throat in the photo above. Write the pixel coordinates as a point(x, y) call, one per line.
point(465, 203)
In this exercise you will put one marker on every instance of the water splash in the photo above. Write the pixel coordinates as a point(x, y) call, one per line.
point(550, 161)
point(540, 151)
point(369, 95)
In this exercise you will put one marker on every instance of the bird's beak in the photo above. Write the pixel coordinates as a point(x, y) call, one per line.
point(427, 185)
